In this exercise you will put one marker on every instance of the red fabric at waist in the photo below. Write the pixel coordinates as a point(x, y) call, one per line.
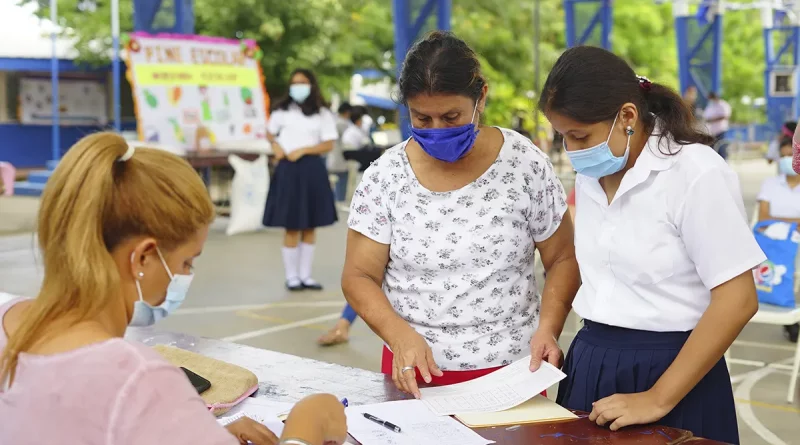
point(449, 377)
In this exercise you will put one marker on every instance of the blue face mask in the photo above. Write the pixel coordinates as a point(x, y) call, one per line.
point(599, 161)
point(300, 92)
point(785, 166)
point(146, 315)
point(447, 144)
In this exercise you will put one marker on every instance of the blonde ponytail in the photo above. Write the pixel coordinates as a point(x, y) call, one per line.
point(92, 202)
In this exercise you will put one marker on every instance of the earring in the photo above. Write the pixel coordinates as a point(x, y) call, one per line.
point(141, 274)
point(629, 130)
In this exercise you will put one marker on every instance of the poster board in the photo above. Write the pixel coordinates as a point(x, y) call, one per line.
point(81, 102)
point(195, 92)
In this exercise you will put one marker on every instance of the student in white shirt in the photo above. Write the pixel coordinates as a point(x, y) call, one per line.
point(300, 199)
point(774, 149)
point(336, 163)
point(717, 116)
point(664, 249)
point(779, 199)
point(355, 137)
point(443, 229)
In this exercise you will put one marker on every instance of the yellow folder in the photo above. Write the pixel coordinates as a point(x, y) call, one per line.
point(537, 409)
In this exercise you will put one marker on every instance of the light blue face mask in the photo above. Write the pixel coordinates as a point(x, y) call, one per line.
point(146, 315)
point(299, 92)
point(785, 166)
point(599, 161)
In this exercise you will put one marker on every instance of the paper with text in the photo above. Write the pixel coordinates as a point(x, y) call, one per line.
point(503, 389)
point(261, 410)
point(418, 424)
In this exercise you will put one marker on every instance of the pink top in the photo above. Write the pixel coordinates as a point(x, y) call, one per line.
point(113, 393)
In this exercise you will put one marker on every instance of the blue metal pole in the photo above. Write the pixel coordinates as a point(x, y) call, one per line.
point(443, 16)
point(115, 64)
point(716, 70)
point(569, 15)
point(56, 142)
point(608, 22)
point(402, 42)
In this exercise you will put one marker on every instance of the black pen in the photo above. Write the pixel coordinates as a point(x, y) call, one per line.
point(383, 423)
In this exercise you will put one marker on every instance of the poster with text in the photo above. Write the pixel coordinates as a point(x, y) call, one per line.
point(195, 91)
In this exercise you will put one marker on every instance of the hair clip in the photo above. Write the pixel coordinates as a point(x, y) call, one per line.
point(128, 154)
point(644, 83)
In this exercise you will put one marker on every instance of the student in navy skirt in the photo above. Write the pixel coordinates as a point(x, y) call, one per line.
point(300, 199)
point(664, 249)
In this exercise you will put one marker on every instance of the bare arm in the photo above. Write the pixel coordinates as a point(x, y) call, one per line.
point(362, 277)
point(563, 278)
point(277, 150)
point(319, 149)
point(764, 214)
point(733, 304)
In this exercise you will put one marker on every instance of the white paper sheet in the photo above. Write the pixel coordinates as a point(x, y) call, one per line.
point(500, 390)
point(418, 424)
point(261, 410)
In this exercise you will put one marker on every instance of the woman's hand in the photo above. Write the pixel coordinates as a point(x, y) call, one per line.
point(544, 347)
point(628, 409)
point(295, 155)
point(317, 419)
point(277, 152)
point(412, 351)
point(248, 430)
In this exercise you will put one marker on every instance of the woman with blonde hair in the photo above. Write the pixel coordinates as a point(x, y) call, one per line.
point(119, 230)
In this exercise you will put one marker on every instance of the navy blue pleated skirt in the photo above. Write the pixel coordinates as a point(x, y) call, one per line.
point(606, 360)
point(300, 195)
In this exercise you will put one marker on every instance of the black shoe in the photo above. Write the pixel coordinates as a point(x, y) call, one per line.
point(791, 332)
point(295, 286)
point(311, 285)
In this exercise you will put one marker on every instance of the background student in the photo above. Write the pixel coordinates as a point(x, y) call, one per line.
point(663, 296)
point(301, 130)
point(336, 163)
point(119, 231)
point(779, 199)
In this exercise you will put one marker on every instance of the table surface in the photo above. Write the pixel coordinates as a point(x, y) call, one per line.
point(288, 378)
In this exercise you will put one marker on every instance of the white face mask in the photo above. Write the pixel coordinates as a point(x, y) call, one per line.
point(146, 315)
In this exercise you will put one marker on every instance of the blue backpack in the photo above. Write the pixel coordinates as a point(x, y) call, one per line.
point(775, 276)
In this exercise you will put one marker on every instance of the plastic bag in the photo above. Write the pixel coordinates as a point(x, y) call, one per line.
point(248, 194)
point(775, 277)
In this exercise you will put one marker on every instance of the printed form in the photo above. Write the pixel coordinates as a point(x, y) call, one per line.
point(503, 389)
point(418, 426)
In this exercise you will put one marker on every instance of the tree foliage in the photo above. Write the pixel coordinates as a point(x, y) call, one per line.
point(337, 37)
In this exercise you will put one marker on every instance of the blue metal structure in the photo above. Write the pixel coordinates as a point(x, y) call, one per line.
point(588, 22)
point(699, 39)
point(56, 140)
point(408, 29)
point(167, 16)
point(782, 54)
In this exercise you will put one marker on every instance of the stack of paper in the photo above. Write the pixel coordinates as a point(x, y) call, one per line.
point(537, 409)
point(417, 423)
point(498, 391)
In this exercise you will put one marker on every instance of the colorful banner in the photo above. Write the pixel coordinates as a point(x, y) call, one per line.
point(197, 92)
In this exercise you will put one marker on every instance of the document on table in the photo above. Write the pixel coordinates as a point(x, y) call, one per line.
point(259, 409)
point(537, 409)
point(417, 423)
point(503, 389)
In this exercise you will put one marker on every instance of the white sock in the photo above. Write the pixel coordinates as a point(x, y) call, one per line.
point(290, 262)
point(306, 261)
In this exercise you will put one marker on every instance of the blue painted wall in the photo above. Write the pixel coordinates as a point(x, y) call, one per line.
point(28, 146)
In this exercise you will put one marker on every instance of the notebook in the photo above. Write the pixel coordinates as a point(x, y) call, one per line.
point(537, 409)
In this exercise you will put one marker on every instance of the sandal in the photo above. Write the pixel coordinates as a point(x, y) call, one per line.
point(335, 336)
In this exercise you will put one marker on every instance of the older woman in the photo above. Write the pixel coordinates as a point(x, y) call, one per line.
point(443, 228)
